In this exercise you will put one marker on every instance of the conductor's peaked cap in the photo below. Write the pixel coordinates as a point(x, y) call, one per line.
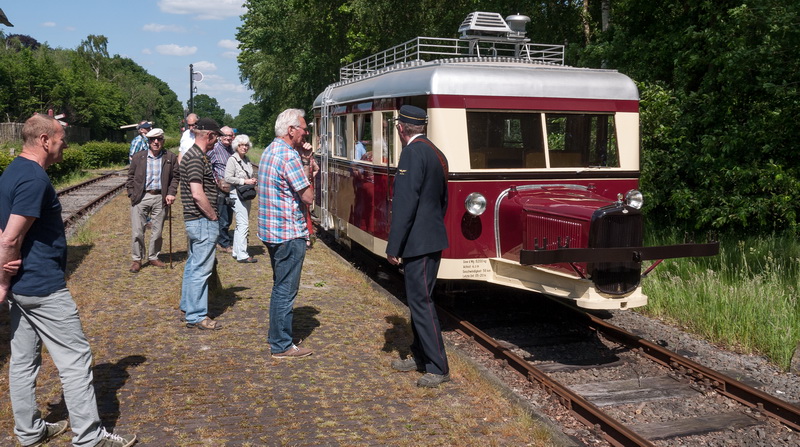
point(412, 115)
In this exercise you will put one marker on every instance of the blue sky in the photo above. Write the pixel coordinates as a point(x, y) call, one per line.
point(163, 36)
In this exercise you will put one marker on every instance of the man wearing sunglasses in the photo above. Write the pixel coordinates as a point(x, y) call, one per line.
point(152, 186)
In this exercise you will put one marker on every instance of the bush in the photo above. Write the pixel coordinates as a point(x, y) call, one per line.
point(97, 154)
point(72, 162)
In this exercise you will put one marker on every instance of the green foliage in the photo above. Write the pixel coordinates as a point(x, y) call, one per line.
point(5, 159)
point(103, 153)
point(719, 89)
point(250, 121)
point(71, 163)
point(208, 107)
point(746, 297)
point(93, 89)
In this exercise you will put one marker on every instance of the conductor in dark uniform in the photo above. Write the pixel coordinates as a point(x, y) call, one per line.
point(418, 236)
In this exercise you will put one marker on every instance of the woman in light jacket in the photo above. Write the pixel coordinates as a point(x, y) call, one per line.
point(239, 171)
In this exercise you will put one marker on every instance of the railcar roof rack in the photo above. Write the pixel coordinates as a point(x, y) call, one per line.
point(482, 35)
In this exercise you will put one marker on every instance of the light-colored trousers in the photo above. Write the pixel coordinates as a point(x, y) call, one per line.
point(153, 207)
point(242, 210)
point(54, 320)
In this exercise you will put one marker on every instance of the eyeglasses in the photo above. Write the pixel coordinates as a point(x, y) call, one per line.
point(227, 135)
point(302, 129)
point(156, 139)
point(191, 125)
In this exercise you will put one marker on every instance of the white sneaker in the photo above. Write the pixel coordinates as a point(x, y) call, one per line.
point(112, 440)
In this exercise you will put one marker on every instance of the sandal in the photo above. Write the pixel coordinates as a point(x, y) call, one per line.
point(207, 324)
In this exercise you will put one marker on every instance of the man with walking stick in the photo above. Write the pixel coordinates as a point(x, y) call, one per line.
point(152, 184)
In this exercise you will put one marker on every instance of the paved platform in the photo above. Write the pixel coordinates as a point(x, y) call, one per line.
point(175, 386)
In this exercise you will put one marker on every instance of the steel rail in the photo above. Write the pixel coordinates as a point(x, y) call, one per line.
point(86, 208)
point(780, 410)
point(82, 211)
point(72, 188)
point(607, 427)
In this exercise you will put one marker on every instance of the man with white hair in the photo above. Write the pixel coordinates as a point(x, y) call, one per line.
point(283, 193)
point(152, 186)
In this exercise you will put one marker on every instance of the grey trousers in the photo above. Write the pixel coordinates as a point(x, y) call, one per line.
point(54, 320)
point(153, 207)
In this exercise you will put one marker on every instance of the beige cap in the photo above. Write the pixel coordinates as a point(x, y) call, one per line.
point(155, 133)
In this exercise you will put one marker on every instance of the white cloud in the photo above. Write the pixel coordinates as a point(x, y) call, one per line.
point(157, 28)
point(204, 9)
point(230, 54)
point(147, 51)
point(49, 24)
point(205, 66)
point(175, 50)
point(229, 44)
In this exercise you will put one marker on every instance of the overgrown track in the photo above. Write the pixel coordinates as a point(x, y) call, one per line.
point(78, 200)
point(611, 380)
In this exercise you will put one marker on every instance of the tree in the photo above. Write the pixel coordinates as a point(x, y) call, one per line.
point(208, 107)
point(94, 50)
point(250, 121)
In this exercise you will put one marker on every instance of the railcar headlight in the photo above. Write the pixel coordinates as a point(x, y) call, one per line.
point(634, 199)
point(475, 204)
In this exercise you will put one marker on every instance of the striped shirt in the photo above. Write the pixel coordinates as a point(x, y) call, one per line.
point(195, 168)
point(280, 210)
point(219, 159)
point(153, 177)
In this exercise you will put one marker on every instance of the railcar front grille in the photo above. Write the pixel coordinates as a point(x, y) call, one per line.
point(538, 227)
point(616, 226)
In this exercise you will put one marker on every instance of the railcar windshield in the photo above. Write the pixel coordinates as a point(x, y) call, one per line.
point(529, 140)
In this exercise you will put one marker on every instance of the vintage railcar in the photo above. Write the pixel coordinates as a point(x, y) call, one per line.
point(543, 158)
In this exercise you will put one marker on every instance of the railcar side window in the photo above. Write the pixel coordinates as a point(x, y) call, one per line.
point(581, 140)
point(362, 134)
point(500, 140)
point(387, 137)
point(340, 146)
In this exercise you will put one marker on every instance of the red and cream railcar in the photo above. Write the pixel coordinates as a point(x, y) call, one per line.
point(543, 158)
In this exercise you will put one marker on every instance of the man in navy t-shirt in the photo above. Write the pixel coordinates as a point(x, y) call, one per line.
point(42, 310)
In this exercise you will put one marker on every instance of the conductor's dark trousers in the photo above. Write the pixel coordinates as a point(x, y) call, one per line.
point(420, 278)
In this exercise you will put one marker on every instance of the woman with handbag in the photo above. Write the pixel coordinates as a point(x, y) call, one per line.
point(239, 173)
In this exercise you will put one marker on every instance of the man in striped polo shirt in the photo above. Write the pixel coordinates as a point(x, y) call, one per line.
point(202, 227)
point(283, 193)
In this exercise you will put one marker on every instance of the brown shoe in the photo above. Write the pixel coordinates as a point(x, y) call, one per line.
point(157, 263)
point(293, 353)
point(207, 324)
point(136, 266)
point(225, 249)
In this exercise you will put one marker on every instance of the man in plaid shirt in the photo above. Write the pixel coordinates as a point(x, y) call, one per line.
point(283, 192)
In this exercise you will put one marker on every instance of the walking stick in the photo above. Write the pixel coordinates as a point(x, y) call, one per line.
point(169, 216)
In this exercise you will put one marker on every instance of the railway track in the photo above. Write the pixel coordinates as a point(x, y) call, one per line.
point(627, 390)
point(79, 200)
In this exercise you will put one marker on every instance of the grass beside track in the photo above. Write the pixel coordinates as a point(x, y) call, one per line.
point(745, 299)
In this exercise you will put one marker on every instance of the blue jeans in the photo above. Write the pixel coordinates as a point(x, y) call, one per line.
point(202, 235)
point(225, 212)
point(287, 263)
point(54, 321)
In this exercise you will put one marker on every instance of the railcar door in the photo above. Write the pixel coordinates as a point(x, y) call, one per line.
point(385, 141)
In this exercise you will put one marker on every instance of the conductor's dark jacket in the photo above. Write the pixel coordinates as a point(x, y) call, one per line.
point(419, 202)
point(137, 176)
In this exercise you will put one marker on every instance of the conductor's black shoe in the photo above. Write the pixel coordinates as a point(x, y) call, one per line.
point(433, 380)
point(409, 364)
